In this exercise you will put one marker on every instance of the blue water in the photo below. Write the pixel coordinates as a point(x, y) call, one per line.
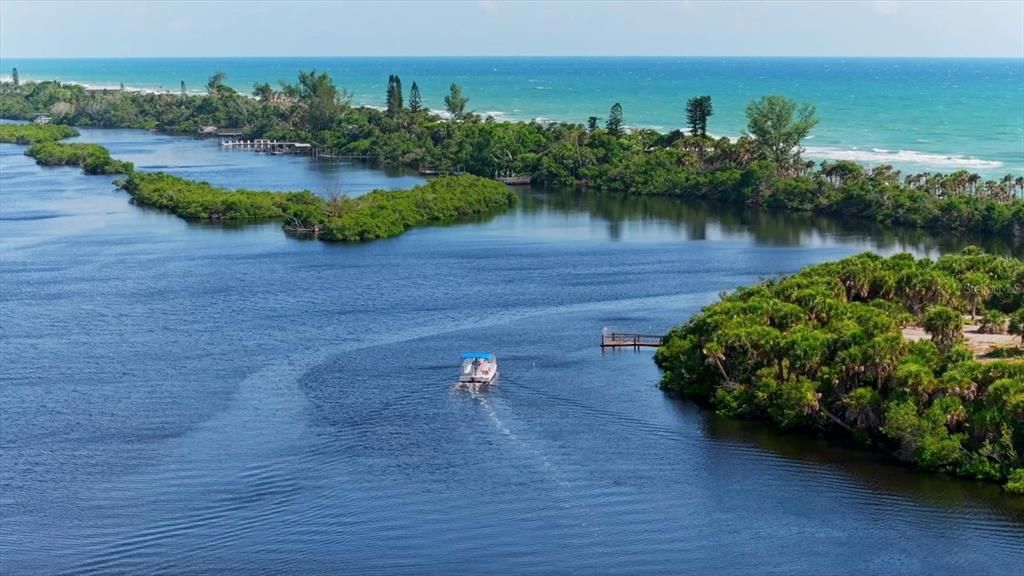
point(918, 114)
point(183, 398)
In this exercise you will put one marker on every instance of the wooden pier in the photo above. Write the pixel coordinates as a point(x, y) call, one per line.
point(441, 172)
point(271, 146)
point(514, 180)
point(611, 339)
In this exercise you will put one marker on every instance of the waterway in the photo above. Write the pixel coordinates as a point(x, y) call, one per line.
point(196, 399)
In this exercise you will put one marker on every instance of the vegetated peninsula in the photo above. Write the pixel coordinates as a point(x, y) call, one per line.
point(825, 349)
point(763, 168)
point(379, 214)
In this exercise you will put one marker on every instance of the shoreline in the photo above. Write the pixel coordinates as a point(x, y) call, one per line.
point(868, 154)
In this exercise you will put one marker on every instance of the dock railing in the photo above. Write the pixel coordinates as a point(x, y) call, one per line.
point(615, 339)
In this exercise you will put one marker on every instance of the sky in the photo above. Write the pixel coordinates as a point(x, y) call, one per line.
point(59, 29)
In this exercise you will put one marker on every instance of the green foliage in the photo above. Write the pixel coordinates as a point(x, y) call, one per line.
point(614, 124)
point(394, 95)
point(1015, 482)
point(992, 322)
point(32, 133)
point(764, 169)
point(1017, 324)
point(455, 102)
point(379, 214)
point(382, 213)
point(823, 349)
point(415, 99)
point(319, 103)
point(945, 326)
point(93, 158)
point(698, 110)
point(201, 200)
point(215, 85)
point(778, 126)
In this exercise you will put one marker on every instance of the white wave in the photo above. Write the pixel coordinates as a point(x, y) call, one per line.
point(884, 156)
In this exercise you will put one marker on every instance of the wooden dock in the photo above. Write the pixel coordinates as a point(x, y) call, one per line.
point(271, 146)
point(514, 180)
point(611, 339)
point(441, 172)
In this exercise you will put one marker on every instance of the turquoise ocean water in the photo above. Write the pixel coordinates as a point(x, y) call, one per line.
point(918, 114)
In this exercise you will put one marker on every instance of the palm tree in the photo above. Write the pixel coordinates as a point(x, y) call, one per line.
point(973, 180)
point(862, 407)
point(715, 355)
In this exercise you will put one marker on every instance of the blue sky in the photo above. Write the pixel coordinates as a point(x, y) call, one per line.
point(471, 28)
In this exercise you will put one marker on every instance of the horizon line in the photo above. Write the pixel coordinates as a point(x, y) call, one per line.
point(506, 56)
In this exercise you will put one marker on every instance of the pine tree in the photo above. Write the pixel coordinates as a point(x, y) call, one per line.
point(698, 109)
point(14, 76)
point(182, 88)
point(614, 125)
point(394, 95)
point(415, 101)
point(592, 123)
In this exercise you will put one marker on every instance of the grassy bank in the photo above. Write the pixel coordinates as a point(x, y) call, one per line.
point(823, 350)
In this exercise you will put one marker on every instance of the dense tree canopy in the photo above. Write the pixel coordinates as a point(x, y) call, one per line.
point(823, 349)
point(762, 169)
point(379, 214)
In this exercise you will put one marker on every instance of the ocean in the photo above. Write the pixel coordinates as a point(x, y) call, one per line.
point(936, 115)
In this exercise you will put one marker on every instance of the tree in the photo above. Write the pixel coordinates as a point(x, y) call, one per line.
point(778, 126)
point(415, 100)
point(992, 322)
point(455, 102)
point(394, 95)
point(614, 124)
point(322, 100)
point(216, 82)
point(14, 76)
point(1017, 324)
point(182, 88)
point(698, 109)
point(975, 288)
point(592, 124)
point(945, 326)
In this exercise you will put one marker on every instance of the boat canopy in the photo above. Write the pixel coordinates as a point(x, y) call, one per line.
point(481, 355)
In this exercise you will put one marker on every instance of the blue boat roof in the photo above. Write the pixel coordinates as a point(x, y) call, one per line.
point(484, 355)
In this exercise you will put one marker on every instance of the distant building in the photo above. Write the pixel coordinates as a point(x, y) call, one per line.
point(208, 131)
point(42, 119)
